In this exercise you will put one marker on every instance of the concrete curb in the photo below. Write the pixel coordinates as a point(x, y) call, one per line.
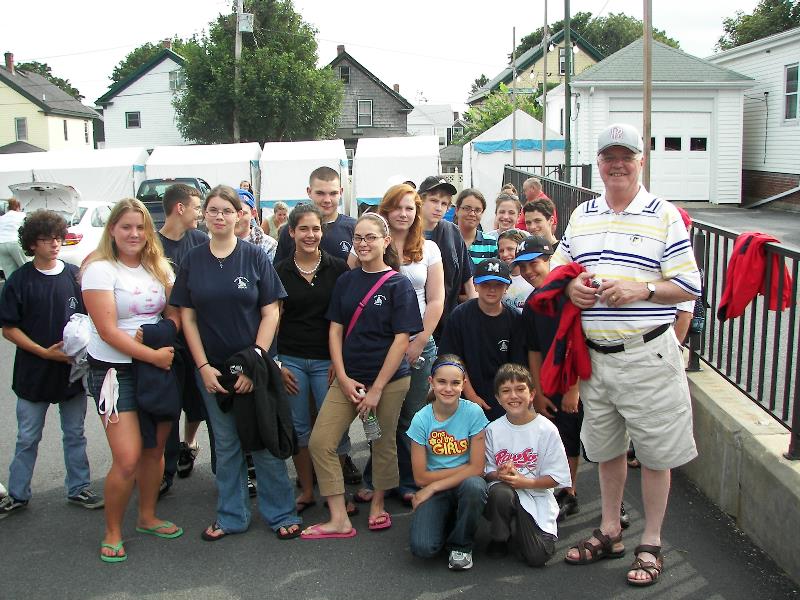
point(741, 468)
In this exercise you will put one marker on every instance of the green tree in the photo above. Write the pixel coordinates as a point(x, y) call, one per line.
point(282, 95)
point(768, 18)
point(45, 71)
point(607, 34)
point(139, 56)
point(478, 84)
point(496, 107)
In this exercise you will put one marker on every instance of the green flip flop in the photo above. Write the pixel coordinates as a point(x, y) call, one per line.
point(155, 530)
point(112, 559)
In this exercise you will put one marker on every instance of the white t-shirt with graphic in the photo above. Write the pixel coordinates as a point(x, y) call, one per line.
point(139, 297)
point(517, 293)
point(536, 451)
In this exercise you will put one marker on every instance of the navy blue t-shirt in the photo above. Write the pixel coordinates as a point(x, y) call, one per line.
point(176, 250)
point(484, 343)
point(227, 299)
point(337, 239)
point(392, 309)
point(41, 305)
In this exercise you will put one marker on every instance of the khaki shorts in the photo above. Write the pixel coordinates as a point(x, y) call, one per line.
point(643, 393)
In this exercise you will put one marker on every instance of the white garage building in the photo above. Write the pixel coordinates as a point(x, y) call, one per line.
point(696, 143)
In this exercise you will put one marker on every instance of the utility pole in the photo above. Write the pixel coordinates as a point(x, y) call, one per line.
point(567, 93)
point(545, 49)
point(514, 96)
point(647, 80)
point(237, 74)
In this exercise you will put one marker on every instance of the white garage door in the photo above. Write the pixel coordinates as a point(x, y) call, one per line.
point(680, 153)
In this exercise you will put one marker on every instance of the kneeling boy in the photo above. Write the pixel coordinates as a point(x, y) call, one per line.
point(525, 460)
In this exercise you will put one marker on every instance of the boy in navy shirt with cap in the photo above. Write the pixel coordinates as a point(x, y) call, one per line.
point(486, 334)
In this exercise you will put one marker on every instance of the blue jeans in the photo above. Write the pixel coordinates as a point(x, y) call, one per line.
point(416, 398)
point(30, 422)
point(448, 519)
point(312, 377)
point(275, 492)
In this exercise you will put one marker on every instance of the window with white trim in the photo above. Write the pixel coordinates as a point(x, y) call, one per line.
point(365, 113)
point(791, 104)
point(21, 126)
point(177, 80)
point(133, 120)
point(344, 74)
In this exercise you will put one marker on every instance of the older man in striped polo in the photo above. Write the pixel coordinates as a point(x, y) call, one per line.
point(636, 246)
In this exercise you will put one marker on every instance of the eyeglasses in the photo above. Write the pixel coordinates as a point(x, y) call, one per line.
point(471, 211)
point(627, 159)
point(370, 238)
point(50, 240)
point(225, 212)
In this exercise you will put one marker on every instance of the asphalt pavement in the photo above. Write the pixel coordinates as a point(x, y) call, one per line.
point(50, 549)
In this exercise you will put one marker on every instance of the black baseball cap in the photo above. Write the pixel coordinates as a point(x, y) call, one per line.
point(492, 269)
point(435, 182)
point(533, 247)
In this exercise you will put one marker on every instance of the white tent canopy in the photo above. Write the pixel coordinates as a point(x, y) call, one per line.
point(98, 175)
point(285, 167)
point(218, 164)
point(382, 162)
point(485, 156)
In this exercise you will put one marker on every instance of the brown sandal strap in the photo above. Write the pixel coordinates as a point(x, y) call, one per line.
point(654, 550)
point(653, 569)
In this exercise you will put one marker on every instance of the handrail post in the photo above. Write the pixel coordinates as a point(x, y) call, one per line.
point(794, 435)
point(699, 246)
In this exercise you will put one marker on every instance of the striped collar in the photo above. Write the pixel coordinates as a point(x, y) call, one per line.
point(642, 201)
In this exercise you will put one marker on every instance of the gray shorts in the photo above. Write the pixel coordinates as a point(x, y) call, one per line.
point(641, 392)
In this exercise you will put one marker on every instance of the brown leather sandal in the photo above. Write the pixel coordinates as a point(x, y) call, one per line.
point(653, 569)
point(590, 552)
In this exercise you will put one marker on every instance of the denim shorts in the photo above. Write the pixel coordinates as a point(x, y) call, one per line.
point(126, 402)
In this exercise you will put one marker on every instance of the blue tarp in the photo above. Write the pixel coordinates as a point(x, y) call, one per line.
point(525, 144)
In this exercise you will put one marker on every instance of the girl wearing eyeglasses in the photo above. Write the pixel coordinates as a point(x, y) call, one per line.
point(470, 205)
point(373, 311)
point(229, 294)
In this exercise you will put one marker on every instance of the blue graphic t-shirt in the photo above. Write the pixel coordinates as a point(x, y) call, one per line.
point(447, 443)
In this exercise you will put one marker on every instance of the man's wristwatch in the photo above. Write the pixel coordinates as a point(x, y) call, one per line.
point(651, 287)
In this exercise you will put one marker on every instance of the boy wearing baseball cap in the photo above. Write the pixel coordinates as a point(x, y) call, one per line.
point(486, 334)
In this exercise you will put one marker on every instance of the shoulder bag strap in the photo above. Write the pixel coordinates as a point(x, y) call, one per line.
point(365, 299)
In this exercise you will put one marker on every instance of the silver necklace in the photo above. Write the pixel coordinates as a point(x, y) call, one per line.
point(312, 271)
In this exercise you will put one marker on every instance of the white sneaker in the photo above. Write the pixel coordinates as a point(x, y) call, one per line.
point(460, 561)
point(3, 491)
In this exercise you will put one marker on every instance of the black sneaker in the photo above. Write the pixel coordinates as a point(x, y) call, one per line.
point(624, 517)
point(186, 459)
point(87, 499)
point(352, 476)
point(164, 487)
point(497, 549)
point(568, 506)
point(252, 491)
point(9, 505)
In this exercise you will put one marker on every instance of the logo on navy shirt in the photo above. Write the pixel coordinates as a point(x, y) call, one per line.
point(379, 300)
point(241, 282)
point(345, 246)
point(502, 345)
point(72, 302)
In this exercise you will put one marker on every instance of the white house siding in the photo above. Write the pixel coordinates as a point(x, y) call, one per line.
point(151, 97)
point(76, 137)
point(765, 61)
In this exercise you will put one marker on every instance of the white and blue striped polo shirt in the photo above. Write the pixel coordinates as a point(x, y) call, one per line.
point(645, 242)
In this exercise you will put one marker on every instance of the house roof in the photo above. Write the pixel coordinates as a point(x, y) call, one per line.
point(118, 87)
point(50, 98)
point(344, 55)
point(431, 114)
point(452, 153)
point(789, 36)
point(19, 148)
point(529, 57)
point(670, 65)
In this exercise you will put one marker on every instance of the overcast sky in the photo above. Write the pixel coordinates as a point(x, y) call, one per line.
point(434, 49)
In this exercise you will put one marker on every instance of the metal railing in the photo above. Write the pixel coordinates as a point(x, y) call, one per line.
point(758, 351)
point(566, 197)
point(578, 173)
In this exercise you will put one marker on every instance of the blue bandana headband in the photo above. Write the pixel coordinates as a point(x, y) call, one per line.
point(447, 364)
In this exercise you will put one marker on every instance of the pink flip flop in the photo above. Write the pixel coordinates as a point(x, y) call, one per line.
point(315, 533)
point(381, 521)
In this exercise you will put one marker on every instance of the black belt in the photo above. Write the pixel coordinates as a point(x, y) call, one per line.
point(647, 337)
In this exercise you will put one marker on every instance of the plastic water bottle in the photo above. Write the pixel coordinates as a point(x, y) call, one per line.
point(372, 429)
point(419, 363)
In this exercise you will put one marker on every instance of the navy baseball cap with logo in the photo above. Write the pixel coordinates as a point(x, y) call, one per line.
point(533, 247)
point(492, 269)
point(246, 197)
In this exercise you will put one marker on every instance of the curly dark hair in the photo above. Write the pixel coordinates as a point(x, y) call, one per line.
point(41, 223)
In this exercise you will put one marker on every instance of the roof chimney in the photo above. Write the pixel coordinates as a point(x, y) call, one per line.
point(10, 62)
point(455, 115)
point(167, 43)
point(340, 49)
point(396, 87)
